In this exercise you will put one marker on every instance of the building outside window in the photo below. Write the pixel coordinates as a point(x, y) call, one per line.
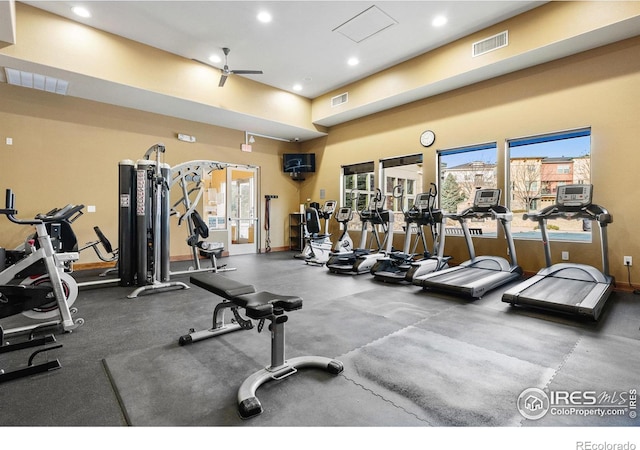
point(405, 172)
point(462, 171)
point(358, 185)
point(537, 166)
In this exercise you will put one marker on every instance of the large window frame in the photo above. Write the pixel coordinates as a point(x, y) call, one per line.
point(404, 171)
point(461, 171)
point(357, 185)
point(535, 167)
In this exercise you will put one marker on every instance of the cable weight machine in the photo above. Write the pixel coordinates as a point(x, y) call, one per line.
point(143, 237)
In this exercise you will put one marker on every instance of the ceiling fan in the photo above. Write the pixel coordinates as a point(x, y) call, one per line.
point(226, 71)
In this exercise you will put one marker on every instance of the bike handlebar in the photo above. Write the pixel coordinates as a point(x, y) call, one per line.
point(11, 212)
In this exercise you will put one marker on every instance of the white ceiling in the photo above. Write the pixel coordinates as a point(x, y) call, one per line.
point(299, 44)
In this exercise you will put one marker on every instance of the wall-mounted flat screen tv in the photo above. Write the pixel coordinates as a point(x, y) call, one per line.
point(299, 162)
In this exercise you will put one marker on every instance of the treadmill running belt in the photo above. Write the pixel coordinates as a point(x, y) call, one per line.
point(559, 290)
point(462, 277)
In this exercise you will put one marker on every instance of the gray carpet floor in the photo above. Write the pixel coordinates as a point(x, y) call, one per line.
point(412, 358)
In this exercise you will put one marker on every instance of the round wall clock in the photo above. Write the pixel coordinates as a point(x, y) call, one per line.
point(427, 138)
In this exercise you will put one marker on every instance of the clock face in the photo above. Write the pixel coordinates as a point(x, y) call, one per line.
point(427, 138)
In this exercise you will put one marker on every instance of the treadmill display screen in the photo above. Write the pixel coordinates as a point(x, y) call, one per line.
point(487, 198)
point(576, 195)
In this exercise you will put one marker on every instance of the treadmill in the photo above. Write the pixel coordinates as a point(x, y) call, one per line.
point(480, 274)
point(577, 289)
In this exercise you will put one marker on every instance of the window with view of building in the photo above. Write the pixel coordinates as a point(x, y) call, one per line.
point(537, 166)
point(405, 172)
point(358, 185)
point(462, 171)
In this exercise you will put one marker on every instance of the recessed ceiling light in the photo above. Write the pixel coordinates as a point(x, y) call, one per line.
point(297, 87)
point(353, 61)
point(264, 17)
point(81, 11)
point(439, 21)
point(215, 58)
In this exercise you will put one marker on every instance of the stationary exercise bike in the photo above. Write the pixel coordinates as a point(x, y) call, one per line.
point(15, 299)
point(345, 243)
point(318, 245)
point(22, 264)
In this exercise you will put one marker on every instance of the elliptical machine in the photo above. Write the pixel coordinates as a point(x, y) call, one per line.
point(361, 260)
point(402, 265)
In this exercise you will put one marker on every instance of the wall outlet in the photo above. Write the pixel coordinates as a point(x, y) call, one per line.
point(565, 256)
point(628, 261)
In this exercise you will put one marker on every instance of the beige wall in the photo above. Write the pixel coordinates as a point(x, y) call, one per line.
point(599, 88)
point(67, 150)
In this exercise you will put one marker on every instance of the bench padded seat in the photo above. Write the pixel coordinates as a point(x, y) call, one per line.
point(262, 304)
point(221, 285)
point(258, 305)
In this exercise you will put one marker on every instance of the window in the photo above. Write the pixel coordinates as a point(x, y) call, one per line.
point(462, 171)
point(537, 166)
point(406, 172)
point(358, 185)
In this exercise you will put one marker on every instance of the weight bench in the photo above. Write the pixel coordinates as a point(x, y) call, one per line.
point(259, 306)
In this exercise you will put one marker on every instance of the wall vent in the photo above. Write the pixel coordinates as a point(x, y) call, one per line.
point(339, 99)
point(490, 44)
point(36, 81)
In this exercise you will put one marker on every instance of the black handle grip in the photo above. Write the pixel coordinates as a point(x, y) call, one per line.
point(9, 199)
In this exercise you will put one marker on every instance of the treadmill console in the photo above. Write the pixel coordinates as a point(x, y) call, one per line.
point(344, 214)
point(574, 195)
point(486, 199)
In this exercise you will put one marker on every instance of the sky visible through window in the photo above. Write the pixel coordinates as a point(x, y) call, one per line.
point(573, 147)
point(570, 148)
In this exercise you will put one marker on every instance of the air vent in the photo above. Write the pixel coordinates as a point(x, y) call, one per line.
point(490, 44)
point(339, 99)
point(36, 81)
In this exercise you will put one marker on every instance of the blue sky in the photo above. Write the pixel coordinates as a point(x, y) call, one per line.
point(566, 147)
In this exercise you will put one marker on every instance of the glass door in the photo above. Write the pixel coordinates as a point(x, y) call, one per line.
point(244, 232)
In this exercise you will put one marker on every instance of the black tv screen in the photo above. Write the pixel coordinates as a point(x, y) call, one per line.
point(299, 162)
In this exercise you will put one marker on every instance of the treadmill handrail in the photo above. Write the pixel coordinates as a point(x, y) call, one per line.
point(591, 212)
point(497, 212)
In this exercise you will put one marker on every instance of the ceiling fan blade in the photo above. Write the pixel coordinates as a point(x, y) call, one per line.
point(247, 72)
point(223, 79)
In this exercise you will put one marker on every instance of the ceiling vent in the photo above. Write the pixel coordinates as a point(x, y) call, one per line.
point(36, 81)
point(339, 99)
point(490, 44)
